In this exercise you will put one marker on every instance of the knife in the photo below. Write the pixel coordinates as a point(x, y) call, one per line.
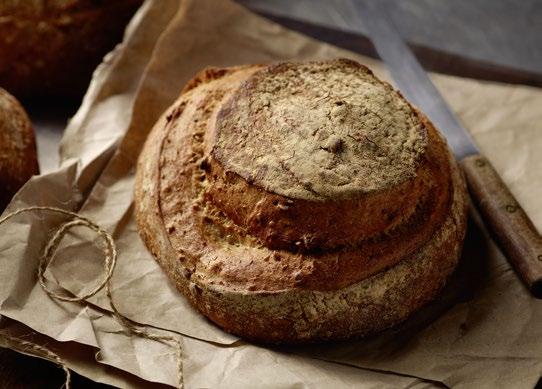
point(511, 226)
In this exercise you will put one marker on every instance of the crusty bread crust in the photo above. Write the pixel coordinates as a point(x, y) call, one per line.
point(18, 159)
point(50, 48)
point(237, 247)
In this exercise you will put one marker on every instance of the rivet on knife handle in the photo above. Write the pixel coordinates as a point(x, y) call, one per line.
point(513, 229)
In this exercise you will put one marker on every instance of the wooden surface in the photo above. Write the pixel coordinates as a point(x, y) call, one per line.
point(512, 228)
point(500, 32)
point(431, 59)
point(20, 371)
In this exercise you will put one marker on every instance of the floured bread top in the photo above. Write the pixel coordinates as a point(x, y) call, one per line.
point(229, 231)
point(319, 131)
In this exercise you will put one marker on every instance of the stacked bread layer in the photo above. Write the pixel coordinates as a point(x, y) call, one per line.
point(296, 202)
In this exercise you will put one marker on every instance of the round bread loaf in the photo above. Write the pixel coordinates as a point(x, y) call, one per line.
point(300, 201)
point(18, 159)
point(51, 47)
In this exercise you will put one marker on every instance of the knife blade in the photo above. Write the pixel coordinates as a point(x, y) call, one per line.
point(412, 80)
point(511, 226)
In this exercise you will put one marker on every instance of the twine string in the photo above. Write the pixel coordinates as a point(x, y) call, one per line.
point(36, 349)
point(110, 261)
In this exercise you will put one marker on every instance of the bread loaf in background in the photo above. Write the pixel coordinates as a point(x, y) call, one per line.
point(299, 202)
point(18, 159)
point(51, 47)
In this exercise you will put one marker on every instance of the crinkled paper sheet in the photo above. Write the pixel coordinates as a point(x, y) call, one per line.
point(484, 331)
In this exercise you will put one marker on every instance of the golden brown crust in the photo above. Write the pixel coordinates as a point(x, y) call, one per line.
point(51, 47)
point(18, 159)
point(203, 222)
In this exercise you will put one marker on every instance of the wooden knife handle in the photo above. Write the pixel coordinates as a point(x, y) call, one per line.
point(513, 229)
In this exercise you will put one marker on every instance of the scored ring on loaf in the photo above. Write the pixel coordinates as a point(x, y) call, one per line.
point(299, 202)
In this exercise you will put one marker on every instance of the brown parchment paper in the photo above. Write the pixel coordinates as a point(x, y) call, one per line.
point(482, 332)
